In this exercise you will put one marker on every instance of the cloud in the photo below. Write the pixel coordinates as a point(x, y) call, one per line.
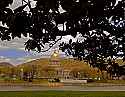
point(5, 59)
point(2, 57)
point(23, 48)
point(25, 59)
point(17, 43)
point(15, 61)
point(14, 51)
point(15, 4)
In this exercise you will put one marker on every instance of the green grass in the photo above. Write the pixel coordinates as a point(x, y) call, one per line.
point(61, 94)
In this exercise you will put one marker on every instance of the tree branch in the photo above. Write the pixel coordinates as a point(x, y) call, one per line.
point(52, 44)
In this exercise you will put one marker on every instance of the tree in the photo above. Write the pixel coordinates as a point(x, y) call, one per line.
point(113, 69)
point(100, 22)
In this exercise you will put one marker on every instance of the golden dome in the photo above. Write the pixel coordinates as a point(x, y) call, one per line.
point(55, 54)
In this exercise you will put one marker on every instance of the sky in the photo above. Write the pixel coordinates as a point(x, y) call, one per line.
point(14, 51)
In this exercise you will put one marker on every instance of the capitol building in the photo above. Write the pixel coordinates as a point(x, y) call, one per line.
point(57, 67)
point(68, 68)
point(55, 63)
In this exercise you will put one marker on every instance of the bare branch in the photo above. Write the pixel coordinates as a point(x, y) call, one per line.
point(52, 44)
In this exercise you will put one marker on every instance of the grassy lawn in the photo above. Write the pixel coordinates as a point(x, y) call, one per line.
point(61, 94)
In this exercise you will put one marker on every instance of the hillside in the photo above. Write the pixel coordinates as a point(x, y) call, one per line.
point(5, 69)
point(43, 66)
point(5, 64)
point(65, 63)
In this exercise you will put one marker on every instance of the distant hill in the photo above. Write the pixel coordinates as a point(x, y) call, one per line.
point(5, 64)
